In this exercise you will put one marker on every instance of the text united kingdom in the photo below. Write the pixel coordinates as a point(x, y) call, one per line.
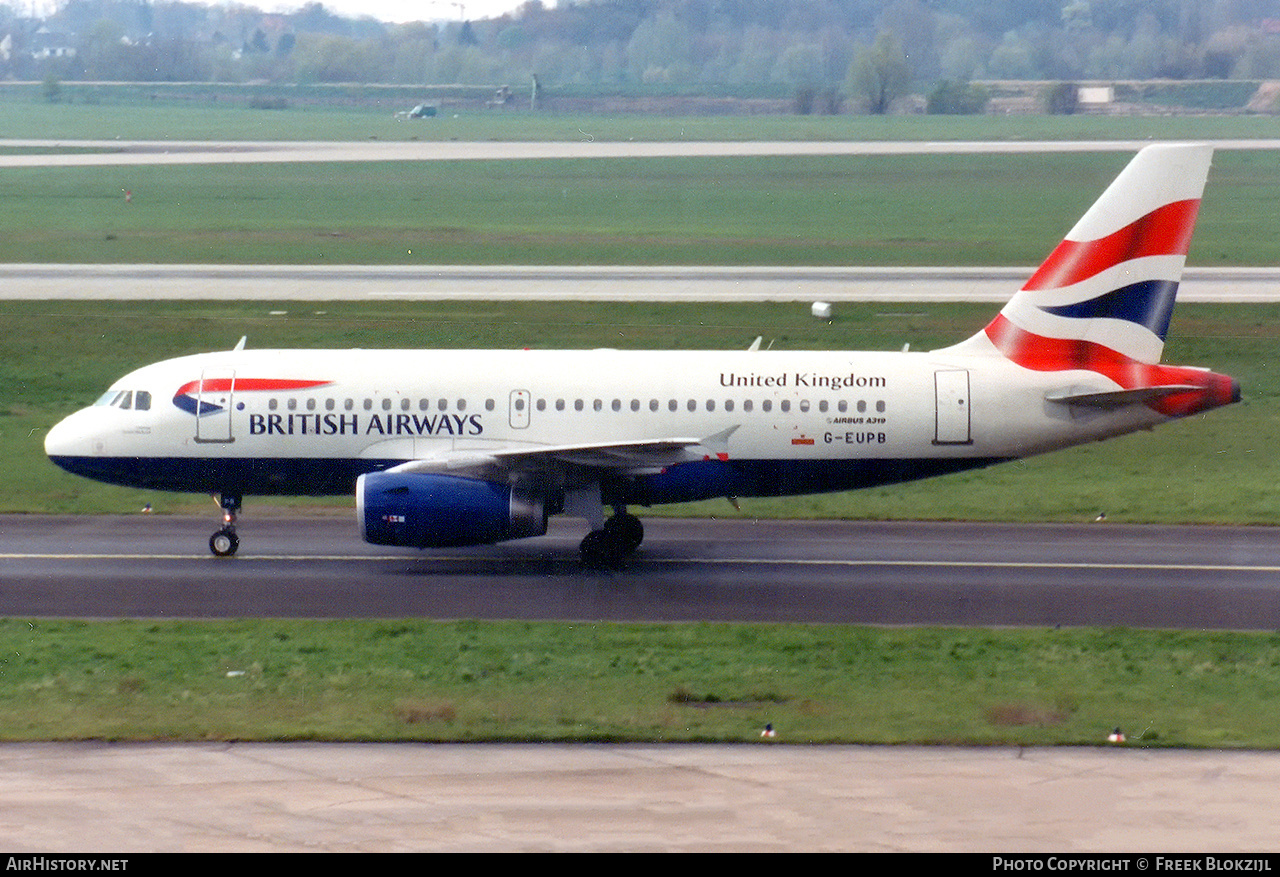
point(801, 379)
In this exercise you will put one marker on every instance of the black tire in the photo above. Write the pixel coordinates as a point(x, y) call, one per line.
point(224, 543)
point(627, 530)
point(600, 549)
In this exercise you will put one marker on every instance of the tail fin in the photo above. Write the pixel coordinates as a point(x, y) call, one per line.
point(1107, 291)
point(1102, 300)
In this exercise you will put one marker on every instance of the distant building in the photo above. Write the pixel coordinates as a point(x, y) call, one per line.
point(47, 44)
point(1096, 95)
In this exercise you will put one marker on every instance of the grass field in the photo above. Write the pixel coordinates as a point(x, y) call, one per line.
point(133, 116)
point(895, 210)
point(519, 681)
point(422, 680)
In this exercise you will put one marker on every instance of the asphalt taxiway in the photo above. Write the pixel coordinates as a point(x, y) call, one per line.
point(864, 572)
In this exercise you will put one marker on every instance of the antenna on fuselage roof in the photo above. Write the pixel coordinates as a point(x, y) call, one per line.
point(755, 345)
point(240, 343)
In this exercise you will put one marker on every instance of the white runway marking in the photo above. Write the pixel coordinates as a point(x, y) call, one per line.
point(30, 282)
point(687, 561)
point(97, 153)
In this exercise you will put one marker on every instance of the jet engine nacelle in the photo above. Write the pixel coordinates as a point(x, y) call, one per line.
point(414, 510)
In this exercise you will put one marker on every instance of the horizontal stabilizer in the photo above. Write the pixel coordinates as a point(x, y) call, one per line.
point(1116, 398)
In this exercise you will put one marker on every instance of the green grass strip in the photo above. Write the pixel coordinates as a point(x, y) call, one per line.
point(419, 680)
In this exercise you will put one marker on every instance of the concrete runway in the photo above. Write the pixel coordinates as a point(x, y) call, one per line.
point(97, 153)
point(107, 799)
point(312, 283)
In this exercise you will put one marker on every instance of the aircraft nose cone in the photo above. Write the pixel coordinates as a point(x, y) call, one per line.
point(67, 438)
point(55, 441)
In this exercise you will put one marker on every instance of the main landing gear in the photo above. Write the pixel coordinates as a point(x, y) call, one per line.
point(620, 536)
point(224, 542)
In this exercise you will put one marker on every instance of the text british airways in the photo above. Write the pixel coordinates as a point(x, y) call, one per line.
point(376, 424)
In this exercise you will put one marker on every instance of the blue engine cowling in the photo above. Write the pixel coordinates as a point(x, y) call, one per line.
point(435, 511)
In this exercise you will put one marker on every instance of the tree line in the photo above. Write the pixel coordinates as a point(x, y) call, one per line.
point(867, 52)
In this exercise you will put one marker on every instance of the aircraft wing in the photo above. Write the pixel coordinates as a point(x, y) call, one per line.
point(626, 457)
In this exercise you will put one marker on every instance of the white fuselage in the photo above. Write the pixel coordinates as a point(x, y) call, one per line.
point(309, 421)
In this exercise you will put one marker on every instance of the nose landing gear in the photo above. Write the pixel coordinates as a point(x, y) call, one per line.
point(224, 542)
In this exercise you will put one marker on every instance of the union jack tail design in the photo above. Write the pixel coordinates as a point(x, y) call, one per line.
point(1102, 300)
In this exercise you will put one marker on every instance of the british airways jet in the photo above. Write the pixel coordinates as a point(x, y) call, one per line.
point(446, 448)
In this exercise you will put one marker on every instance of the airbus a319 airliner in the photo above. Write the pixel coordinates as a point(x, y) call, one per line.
point(467, 447)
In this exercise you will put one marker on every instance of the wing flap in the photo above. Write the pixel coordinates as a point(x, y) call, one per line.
point(646, 455)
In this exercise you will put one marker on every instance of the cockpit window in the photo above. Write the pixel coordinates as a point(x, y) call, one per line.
point(126, 399)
